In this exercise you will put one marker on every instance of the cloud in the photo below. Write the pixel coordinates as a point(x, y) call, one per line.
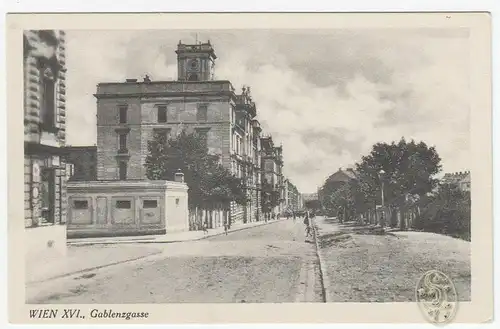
point(326, 96)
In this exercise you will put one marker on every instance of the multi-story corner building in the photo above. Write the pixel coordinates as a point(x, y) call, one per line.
point(44, 138)
point(130, 113)
point(293, 199)
point(272, 177)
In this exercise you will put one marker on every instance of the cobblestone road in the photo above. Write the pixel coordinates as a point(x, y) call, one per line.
point(270, 263)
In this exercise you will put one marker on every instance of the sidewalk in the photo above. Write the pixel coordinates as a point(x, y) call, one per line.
point(84, 259)
point(85, 255)
point(167, 238)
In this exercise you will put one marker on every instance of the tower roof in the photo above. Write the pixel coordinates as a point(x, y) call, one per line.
point(200, 48)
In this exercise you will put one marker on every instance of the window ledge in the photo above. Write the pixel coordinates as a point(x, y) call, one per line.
point(122, 129)
point(44, 224)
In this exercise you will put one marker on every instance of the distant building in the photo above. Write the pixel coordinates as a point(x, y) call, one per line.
point(337, 180)
point(272, 176)
point(458, 179)
point(342, 175)
point(293, 199)
point(129, 113)
point(309, 196)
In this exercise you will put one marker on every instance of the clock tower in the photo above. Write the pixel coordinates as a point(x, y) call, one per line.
point(195, 62)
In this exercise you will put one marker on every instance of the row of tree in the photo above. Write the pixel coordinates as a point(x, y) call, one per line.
point(405, 172)
point(401, 168)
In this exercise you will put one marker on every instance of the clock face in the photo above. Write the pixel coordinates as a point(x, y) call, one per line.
point(193, 65)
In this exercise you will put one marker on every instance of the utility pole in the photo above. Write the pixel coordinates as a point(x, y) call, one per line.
point(382, 213)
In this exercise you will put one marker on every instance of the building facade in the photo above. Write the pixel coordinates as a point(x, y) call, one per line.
point(45, 205)
point(293, 199)
point(272, 177)
point(130, 113)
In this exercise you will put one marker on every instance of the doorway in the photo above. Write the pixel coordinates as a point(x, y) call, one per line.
point(48, 195)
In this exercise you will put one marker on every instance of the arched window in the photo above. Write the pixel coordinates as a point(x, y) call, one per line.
point(48, 101)
point(193, 77)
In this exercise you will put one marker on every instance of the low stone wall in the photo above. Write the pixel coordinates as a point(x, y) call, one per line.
point(114, 208)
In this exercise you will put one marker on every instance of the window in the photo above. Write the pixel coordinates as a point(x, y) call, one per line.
point(162, 114)
point(123, 113)
point(238, 145)
point(193, 77)
point(123, 170)
point(80, 204)
point(201, 113)
point(123, 204)
point(150, 204)
point(203, 133)
point(123, 143)
point(48, 108)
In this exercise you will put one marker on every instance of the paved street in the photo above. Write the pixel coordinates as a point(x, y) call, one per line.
point(270, 263)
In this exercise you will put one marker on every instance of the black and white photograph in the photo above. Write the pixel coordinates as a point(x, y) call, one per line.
point(240, 165)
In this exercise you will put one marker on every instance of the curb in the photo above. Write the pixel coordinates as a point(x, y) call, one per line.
point(90, 243)
point(322, 267)
point(92, 268)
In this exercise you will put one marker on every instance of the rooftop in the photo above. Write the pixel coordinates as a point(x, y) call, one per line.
point(135, 87)
point(198, 47)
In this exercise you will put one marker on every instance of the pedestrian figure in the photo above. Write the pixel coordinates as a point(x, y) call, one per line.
point(294, 216)
point(226, 226)
point(307, 223)
point(205, 227)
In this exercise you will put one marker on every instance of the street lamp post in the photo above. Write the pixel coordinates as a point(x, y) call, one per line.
point(381, 174)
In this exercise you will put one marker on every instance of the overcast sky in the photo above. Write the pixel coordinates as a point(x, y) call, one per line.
point(328, 96)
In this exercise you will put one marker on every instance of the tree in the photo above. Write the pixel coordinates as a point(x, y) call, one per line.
point(447, 212)
point(409, 168)
point(209, 183)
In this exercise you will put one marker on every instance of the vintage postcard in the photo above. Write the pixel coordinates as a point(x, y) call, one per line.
point(244, 168)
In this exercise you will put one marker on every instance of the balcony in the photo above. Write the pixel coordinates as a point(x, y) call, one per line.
point(248, 108)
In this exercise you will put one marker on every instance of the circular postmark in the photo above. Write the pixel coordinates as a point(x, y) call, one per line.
point(437, 297)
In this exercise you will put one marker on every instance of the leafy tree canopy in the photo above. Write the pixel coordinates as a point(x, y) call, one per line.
point(409, 168)
point(404, 167)
point(208, 181)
